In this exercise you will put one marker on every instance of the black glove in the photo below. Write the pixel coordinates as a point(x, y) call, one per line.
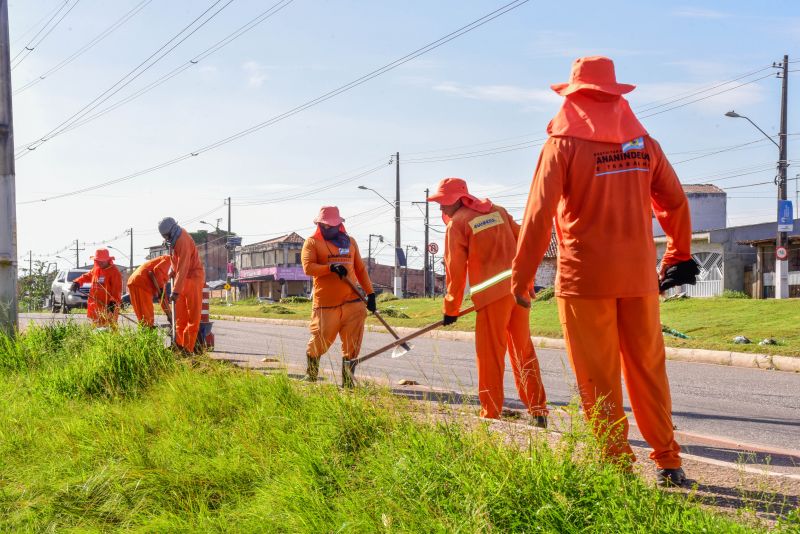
point(449, 319)
point(339, 269)
point(74, 287)
point(371, 304)
point(679, 274)
point(111, 307)
point(173, 297)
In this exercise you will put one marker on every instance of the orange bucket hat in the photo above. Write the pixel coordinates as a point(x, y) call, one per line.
point(593, 72)
point(102, 254)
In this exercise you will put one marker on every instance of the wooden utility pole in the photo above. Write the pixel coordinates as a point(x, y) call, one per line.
point(130, 231)
point(77, 251)
point(8, 202)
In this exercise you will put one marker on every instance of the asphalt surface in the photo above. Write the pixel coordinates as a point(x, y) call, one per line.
point(715, 408)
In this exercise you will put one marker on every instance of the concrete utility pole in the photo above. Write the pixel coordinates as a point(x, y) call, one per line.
point(130, 232)
point(8, 201)
point(426, 267)
point(398, 281)
point(782, 266)
point(369, 251)
point(77, 250)
point(30, 262)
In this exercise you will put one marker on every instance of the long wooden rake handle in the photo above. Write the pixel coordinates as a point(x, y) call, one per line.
point(408, 338)
point(391, 330)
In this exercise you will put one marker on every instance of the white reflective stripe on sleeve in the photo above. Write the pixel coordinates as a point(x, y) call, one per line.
point(499, 277)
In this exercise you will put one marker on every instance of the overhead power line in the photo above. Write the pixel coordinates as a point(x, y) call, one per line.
point(132, 75)
point(36, 40)
point(183, 67)
point(86, 47)
point(311, 103)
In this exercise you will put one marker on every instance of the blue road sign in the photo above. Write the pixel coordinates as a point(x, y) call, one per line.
point(785, 216)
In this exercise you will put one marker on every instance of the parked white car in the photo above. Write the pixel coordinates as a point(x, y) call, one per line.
point(61, 298)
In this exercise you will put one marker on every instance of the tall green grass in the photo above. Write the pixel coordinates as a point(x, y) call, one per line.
point(166, 447)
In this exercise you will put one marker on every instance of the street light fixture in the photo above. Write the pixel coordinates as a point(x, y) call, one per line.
point(781, 264)
point(398, 289)
point(735, 115)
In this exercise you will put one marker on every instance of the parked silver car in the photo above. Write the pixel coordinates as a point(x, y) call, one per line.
point(61, 298)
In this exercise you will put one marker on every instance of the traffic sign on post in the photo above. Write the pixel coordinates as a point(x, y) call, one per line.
point(785, 218)
point(781, 253)
point(433, 248)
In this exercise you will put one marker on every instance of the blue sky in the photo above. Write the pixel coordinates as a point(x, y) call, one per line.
point(487, 89)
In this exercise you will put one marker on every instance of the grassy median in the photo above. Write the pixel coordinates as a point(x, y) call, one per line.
point(709, 323)
point(107, 432)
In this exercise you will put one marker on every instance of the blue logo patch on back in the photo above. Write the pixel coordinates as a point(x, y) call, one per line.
point(344, 251)
point(635, 144)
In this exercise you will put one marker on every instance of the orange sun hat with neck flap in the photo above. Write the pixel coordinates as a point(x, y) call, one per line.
point(594, 108)
point(451, 190)
point(102, 254)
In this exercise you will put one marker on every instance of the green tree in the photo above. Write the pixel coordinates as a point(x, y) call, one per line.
point(33, 287)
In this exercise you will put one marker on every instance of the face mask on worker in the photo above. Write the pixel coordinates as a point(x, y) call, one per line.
point(335, 236)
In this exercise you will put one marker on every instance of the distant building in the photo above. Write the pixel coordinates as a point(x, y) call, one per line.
point(272, 269)
point(707, 205)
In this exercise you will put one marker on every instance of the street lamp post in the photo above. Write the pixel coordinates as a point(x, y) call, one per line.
point(405, 272)
point(398, 289)
point(781, 265)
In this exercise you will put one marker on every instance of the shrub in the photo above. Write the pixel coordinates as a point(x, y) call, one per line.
point(395, 313)
point(276, 308)
point(733, 294)
point(386, 296)
point(294, 300)
point(546, 294)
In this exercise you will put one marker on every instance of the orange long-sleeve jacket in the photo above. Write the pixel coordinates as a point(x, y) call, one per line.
point(603, 196)
point(329, 290)
point(106, 284)
point(482, 245)
point(158, 266)
point(185, 262)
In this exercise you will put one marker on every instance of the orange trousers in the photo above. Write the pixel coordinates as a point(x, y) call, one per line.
point(500, 326)
point(187, 313)
point(346, 321)
point(142, 303)
point(604, 335)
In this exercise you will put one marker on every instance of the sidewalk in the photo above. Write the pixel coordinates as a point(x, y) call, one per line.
point(714, 357)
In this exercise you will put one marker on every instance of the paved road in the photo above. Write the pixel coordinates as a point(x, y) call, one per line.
point(736, 404)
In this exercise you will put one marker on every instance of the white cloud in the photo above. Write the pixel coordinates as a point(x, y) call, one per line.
point(500, 93)
point(256, 73)
point(699, 13)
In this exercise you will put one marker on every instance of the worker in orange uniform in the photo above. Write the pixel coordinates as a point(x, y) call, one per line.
point(187, 287)
point(105, 293)
point(481, 240)
point(147, 282)
point(602, 177)
point(330, 256)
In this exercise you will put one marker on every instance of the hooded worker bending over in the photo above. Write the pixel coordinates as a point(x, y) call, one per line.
point(481, 240)
point(106, 291)
point(187, 288)
point(330, 256)
point(146, 283)
point(602, 176)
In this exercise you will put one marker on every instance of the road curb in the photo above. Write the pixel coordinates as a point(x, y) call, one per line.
point(714, 357)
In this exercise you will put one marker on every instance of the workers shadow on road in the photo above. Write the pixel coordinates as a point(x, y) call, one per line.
point(457, 399)
point(734, 456)
point(767, 504)
point(717, 417)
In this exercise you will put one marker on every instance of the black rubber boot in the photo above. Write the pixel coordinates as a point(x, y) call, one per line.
point(539, 421)
point(348, 373)
point(671, 478)
point(312, 369)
